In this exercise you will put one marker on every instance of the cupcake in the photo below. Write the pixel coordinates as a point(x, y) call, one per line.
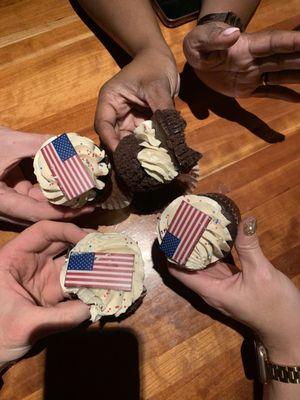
point(197, 230)
point(155, 154)
point(71, 170)
point(105, 271)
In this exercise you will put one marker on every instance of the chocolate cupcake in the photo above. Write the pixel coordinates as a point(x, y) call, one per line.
point(105, 271)
point(197, 230)
point(71, 170)
point(155, 154)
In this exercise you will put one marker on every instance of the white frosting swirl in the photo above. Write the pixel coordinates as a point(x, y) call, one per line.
point(107, 301)
point(92, 158)
point(214, 240)
point(154, 159)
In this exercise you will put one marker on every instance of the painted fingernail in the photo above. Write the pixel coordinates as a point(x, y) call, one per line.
point(250, 226)
point(229, 31)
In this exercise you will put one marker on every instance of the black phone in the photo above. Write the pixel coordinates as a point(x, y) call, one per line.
point(176, 12)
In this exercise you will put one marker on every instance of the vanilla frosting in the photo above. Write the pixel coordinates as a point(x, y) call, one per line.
point(92, 158)
point(107, 301)
point(154, 159)
point(213, 243)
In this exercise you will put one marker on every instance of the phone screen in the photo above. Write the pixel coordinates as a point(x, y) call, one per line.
point(176, 9)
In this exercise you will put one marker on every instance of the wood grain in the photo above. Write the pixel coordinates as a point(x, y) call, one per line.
point(51, 69)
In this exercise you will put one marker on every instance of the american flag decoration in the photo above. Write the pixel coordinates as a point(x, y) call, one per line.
point(184, 232)
point(100, 271)
point(67, 168)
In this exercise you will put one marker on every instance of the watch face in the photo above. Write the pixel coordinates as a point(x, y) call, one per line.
point(261, 355)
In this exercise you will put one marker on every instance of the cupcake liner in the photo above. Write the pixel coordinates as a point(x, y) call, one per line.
point(117, 199)
point(190, 180)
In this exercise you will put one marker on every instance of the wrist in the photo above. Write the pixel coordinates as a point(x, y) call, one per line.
point(159, 47)
point(158, 55)
point(283, 350)
point(289, 355)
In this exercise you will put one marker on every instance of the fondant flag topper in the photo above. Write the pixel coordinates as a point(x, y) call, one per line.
point(67, 168)
point(184, 232)
point(100, 270)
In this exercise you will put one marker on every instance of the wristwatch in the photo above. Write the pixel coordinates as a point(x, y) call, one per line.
point(229, 18)
point(269, 371)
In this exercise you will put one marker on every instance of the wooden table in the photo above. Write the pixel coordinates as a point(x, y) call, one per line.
point(174, 346)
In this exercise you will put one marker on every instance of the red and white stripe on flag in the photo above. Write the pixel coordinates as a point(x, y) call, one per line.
point(71, 175)
point(188, 225)
point(110, 271)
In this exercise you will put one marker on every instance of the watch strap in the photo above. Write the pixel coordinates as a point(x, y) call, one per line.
point(284, 373)
point(229, 18)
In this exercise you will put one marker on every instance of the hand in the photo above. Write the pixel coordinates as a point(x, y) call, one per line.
point(259, 295)
point(20, 200)
point(31, 297)
point(149, 82)
point(238, 64)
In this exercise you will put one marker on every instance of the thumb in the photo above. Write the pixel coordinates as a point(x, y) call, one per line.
point(208, 38)
point(63, 316)
point(248, 248)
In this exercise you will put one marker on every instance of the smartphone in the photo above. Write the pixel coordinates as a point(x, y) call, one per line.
point(176, 12)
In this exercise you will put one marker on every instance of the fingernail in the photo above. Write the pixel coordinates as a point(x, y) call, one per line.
point(88, 209)
point(229, 31)
point(250, 226)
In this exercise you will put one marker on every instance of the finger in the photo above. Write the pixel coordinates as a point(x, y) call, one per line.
point(282, 77)
point(19, 206)
point(248, 248)
point(209, 38)
point(159, 97)
point(33, 142)
point(27, 188)
point(279, 62)
point(63, 316)
point(264, 44)
point(105, 122)
point(277, 92)
point(55, 249)
point(41, 235)
point(200, 282)
point(36, 193)
point(27, 144)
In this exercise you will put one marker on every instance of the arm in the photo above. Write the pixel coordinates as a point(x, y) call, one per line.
point(240, 64)
point(149, 82)
point(20, 200)
point(261, 297)
point(244, 9)
point(131, 23)
point(289, 354)
point(31, 298)
point(281, 391)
